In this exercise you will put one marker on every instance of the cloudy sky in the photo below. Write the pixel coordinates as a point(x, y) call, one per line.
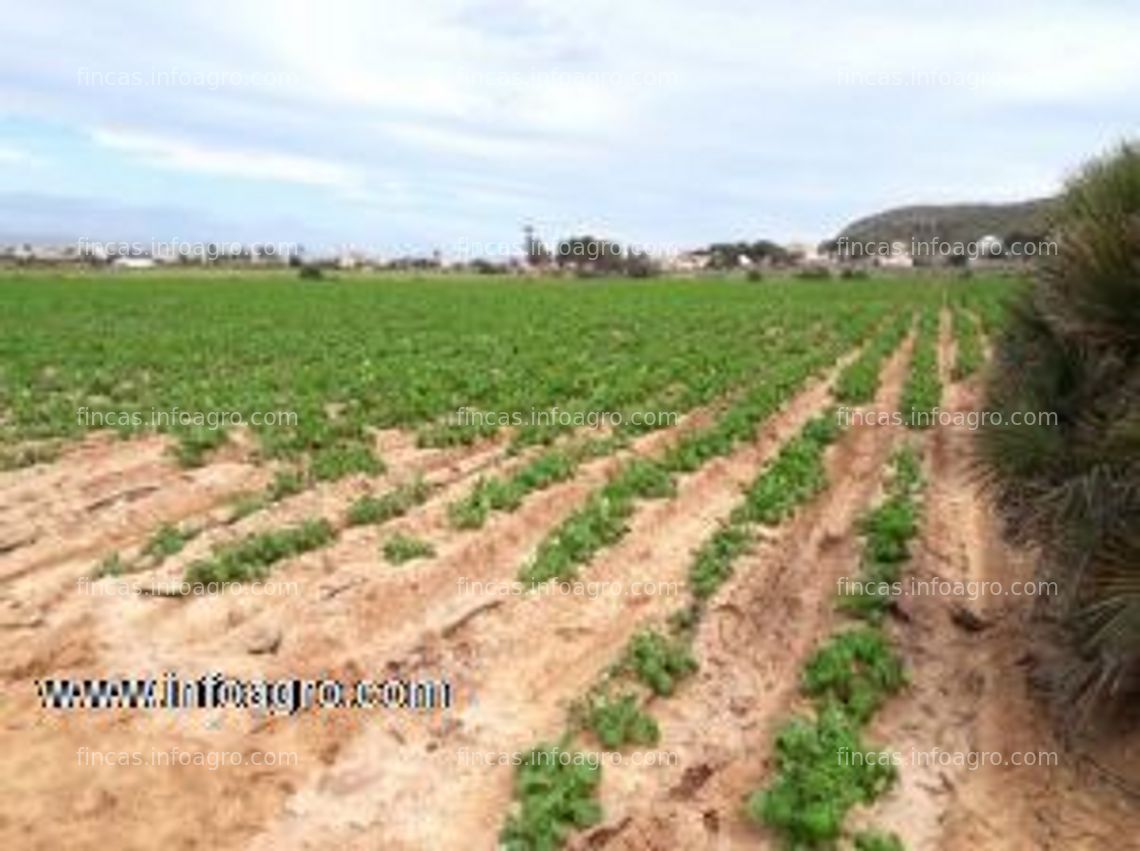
point(432, 123)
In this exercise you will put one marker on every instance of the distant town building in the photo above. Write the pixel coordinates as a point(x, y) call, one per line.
point(126, 262)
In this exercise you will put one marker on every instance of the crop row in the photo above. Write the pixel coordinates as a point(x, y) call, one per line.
point(506, 493)
point(555, 786)
point(560, 463)
point(969, 356)
point(823, 765)
point(253, 555)
point(602, 520)
point(986, 301)
point(557, 796)
point(858, 383)
point(923, 389)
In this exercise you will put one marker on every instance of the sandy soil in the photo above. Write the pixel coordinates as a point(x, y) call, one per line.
point(404, 780)
point(970, 690)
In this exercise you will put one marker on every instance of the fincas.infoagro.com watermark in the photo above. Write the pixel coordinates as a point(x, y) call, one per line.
point(181, 78)
point(937, 248)
point(555, 416)
point(972, 420)
point(972, 589)
point(556, 756)
point(110, 586)
point(176, 249)
point(939, 758)
point(177, 758)
point(173, 417)
point(569, 588)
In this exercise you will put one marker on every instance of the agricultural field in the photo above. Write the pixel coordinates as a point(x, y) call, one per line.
point(638, 540)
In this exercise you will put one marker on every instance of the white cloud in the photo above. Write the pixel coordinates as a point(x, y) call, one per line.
point(663, 116)
point(182, 155)
point(482, 144)
point(16, 157)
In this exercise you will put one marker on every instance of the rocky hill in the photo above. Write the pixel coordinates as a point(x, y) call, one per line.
point(951, 222)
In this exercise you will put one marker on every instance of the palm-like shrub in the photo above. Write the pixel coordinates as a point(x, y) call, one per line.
point(1073, 490)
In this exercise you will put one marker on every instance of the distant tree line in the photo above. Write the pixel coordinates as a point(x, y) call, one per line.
point(764, 252)
point(588, 256)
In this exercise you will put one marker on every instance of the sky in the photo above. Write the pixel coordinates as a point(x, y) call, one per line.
point(401, 127)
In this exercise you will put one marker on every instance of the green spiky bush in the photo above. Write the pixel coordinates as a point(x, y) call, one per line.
point(1070, 345)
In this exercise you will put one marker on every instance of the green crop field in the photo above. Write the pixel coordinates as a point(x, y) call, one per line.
point(546, 426)
point(713, 443)
point(355, 353)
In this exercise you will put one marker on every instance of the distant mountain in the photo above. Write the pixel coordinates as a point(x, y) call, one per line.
point(951, 222)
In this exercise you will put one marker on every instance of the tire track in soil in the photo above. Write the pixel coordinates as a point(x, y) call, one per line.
point(343, 590)
point(427, 594)
point(101, 472)
point(451, 470)
point(131, 629)
point(521, 660)
point(969, 689)
point(751, 646)
point(37, 580)
point(86, 466)
point(108, 497)
point(100, 497)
